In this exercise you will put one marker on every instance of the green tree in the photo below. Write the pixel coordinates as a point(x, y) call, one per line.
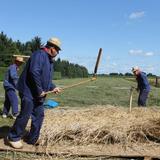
point(7, 49)
point(36, 43)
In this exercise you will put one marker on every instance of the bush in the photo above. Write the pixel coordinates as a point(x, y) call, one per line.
point(57, 75)
point(2, 73)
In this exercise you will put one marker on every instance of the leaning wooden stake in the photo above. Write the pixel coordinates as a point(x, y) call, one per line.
point(131, 98)
point(88, 80)
point(97, 62)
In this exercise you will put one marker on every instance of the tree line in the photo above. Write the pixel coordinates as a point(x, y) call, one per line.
point(129, 74)
point(8, 48)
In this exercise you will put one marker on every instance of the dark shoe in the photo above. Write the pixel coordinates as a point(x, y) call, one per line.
point(26, 139)
point(37, 143)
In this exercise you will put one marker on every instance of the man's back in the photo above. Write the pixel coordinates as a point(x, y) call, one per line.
point(36, 75)
point(143, 81)
point(11, 77)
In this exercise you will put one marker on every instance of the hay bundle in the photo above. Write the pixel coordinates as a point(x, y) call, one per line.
point(100, 125)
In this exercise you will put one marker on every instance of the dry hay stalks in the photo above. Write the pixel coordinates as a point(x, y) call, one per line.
point(100, 125)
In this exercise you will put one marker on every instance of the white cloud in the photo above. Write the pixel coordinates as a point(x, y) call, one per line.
point(135, 52)
point(149, 53)
point(140, 53)
point(136, 15)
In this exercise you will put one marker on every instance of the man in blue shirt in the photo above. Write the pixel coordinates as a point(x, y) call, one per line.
point(143, 86)
point(9, 84)
point(35, 80)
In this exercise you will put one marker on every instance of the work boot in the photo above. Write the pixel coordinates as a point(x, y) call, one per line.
point(38, 142)
point(16, 144)
point(4, 115)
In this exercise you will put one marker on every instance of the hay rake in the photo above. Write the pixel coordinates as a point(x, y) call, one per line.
point(94, 77)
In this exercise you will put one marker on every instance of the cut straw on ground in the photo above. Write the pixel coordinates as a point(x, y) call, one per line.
point(101, 125)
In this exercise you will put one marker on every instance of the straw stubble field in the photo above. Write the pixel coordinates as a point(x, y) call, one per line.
point(101, 126)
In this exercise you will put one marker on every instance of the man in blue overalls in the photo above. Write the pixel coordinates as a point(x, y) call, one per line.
point(35, 80)
point(9, 84)
point(143, 86)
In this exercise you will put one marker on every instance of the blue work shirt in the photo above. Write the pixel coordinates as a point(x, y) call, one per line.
point(37, 75)
point(143, 81)
point(11, 77)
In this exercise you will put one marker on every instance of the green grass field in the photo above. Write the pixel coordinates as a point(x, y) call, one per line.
point(107, 90)
point(103, 91)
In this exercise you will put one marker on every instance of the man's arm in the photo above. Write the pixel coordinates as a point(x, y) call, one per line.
point(14, 74)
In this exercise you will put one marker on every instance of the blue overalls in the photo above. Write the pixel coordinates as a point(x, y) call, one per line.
point(35, 78)
point(9, 84)
point(144, 87)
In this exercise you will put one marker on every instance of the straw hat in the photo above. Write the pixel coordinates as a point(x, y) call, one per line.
point(55, 42)
point(19, 59)
point(134, 69)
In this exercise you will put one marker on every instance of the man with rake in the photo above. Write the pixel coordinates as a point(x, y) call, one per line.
point(143, 86)
point(35, 80)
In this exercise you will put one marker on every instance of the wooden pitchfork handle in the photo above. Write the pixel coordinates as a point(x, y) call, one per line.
point(82, 82)
point(73, 85)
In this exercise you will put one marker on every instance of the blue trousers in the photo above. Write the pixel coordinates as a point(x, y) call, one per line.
point(11, 100)
point(29, 108)
point(143, 95)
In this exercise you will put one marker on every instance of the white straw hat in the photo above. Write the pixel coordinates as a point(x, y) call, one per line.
point(136, 68)
point(55, 42)
point(19, 59)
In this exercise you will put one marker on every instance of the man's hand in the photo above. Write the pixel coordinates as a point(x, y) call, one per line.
point(42, 94)
point(57, 90)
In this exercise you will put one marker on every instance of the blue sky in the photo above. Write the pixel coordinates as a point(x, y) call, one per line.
point(127, 30)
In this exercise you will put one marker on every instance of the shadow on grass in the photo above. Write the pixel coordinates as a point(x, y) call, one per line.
point(0, 111)
point(4, 131)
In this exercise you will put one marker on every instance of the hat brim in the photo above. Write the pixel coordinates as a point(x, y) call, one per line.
point(54, 45)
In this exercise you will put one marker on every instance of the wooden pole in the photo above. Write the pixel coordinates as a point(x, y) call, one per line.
point(82, 82)
point(131, 98)
point(156, 84)
point(74, 85)
point(97, 62)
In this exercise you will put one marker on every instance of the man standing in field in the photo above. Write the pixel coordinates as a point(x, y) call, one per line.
point(35, 80)
point(9, 84)
point(142, 86)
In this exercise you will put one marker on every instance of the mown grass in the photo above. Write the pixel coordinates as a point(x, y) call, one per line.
point(100, 92)
point(107, 90)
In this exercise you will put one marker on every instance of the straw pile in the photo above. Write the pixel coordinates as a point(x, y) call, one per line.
point(100, 125)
